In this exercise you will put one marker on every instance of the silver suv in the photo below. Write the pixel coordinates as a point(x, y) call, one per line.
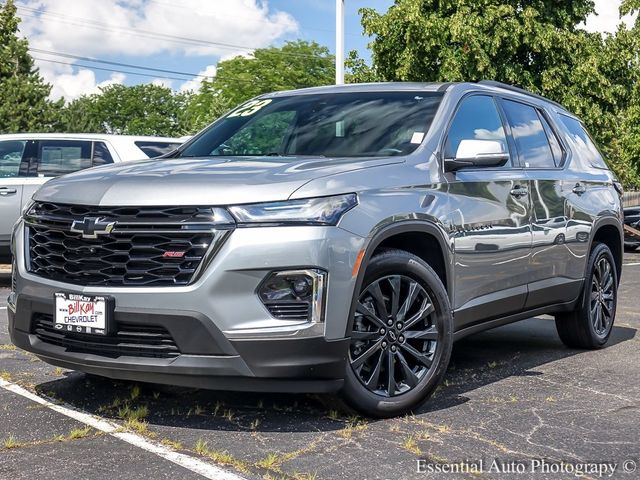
point(334, 239)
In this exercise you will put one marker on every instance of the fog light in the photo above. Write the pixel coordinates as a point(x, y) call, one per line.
point(296, 295)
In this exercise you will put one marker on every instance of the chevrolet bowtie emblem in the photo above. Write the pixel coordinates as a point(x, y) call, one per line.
point(91, 227)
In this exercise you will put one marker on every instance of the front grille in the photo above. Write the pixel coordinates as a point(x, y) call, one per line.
point(146, 246)
point(290, 311)
point(128, 340)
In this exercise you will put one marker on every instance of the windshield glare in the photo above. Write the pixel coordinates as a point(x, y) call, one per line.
point(371, 124)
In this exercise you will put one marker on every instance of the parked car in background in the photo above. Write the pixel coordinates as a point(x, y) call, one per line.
point(334, 239)
point(29, 160)
point(632, 218)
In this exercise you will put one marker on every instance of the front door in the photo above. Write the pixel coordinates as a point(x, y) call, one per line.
point(490, 220)
point(11, 180)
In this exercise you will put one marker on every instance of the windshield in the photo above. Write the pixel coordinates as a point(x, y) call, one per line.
point(372, 124)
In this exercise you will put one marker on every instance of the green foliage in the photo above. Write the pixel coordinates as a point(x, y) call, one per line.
point(135, 110)
point(24, 104)
point(535, 44)
point(296, 64)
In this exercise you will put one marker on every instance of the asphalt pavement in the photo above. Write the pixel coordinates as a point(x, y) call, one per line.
point(515, 395)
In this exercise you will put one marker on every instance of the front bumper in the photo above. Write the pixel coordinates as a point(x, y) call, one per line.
point(226, 337)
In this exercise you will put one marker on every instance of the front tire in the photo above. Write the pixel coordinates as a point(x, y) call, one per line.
point(401, 336)
point(590, 325)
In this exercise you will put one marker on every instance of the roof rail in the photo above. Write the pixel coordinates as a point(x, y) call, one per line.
point(506, 86)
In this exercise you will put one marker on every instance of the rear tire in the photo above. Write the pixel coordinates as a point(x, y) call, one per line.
point(590, 325)
point(401, 336)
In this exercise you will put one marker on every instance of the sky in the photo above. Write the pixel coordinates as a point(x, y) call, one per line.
point(186, 37)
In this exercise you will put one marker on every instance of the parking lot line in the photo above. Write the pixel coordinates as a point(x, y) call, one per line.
point(631, 264)
point(190, 463)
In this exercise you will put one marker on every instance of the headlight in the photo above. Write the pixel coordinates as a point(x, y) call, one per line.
point(309, 211)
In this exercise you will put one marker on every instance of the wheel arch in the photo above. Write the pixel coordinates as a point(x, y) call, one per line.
point(608, 230)
point(398, 235)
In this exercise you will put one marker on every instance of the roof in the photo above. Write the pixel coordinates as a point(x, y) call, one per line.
point(485, 85)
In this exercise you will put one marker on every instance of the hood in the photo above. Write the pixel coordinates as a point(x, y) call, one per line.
point(197, 181)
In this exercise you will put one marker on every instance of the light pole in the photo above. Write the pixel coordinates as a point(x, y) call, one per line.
point(339, 42)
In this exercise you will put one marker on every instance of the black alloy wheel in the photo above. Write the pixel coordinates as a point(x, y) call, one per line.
point(401, 336)
point(590, 324)
point(394, 336)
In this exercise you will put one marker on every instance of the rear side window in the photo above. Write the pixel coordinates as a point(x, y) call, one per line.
point(529, 134)
point(10, 157)
point(585, 147)
point(477, 118)
point(155, 149)
point(59, 157)
point(101, 155)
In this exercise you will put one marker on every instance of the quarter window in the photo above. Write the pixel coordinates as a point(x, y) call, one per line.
point(101, 155)
point(529, 134)
point(585, 147)
point(477, 118)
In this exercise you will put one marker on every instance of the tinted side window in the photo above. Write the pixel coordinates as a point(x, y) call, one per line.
point(10, 157)
point(556, 148)
point(101, 155)
point(585, 147)
point(528, 132)
point(477, 118)
point(155, 149)
point(59, 157)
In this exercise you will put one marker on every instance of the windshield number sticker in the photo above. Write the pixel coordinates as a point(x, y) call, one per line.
point(250, 108)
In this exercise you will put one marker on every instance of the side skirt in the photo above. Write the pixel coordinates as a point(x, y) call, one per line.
point(498, 322)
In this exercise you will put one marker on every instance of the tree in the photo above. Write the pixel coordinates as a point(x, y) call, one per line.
point(534, 44)
point(128, 110)
point(24, 104)
point(297, 64)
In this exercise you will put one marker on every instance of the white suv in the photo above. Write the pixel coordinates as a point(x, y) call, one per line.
point(29, 160)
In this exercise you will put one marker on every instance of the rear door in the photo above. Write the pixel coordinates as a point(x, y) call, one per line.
point(542, 154)
point(490, 217)
point(11, 179)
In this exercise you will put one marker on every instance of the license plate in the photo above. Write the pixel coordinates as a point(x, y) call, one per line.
point(82, 314)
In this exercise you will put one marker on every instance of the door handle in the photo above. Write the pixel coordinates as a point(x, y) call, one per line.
point(519, 192)
point(579, 189)
point(5, 192)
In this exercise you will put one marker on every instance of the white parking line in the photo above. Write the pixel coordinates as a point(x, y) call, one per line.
point(3, 308)
point(631, 264)
point(190, 463)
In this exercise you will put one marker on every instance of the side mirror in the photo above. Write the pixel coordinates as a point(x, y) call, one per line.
point(477, 153)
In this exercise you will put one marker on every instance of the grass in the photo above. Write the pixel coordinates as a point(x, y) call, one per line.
point(135, 392)
point(6, 376)
point(222, 457)
point(58, 372)
point(8, 346)
point(167, 442)
point(128, 413)
point(271, 462)
point(354, 425)
point(333, 415)
point(78, 433)
point(11, 442)
point(410, 445)
point(254, 424)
